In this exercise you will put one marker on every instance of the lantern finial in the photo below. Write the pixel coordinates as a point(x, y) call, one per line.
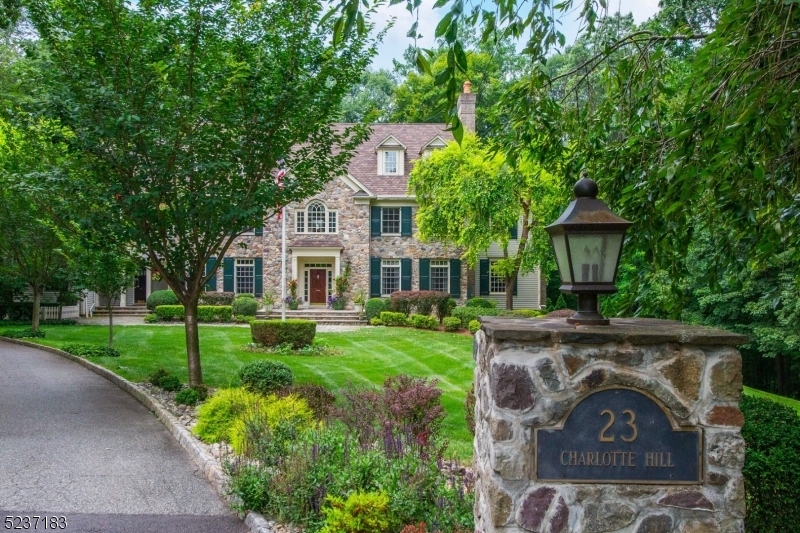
point(585, 188)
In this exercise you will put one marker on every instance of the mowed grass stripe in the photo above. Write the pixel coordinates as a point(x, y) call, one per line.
point(368, 356)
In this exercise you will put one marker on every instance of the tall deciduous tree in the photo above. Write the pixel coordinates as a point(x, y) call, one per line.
point(371, 99)
point(180, 110)
point(471, 198)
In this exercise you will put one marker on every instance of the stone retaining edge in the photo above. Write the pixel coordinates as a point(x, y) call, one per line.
point(205, 462)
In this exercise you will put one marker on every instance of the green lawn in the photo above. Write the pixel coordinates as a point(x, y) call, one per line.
point(794, 404)
point(368, 356)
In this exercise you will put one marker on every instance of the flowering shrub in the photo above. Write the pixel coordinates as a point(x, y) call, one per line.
point(336, 302)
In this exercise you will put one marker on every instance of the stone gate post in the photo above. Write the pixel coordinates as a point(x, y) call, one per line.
point(632, 427)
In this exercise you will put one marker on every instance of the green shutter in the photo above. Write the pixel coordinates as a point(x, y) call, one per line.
point(405, 222)
point(375, 222)
point(212, 283)
point(514, 234)
point(424, 274)
point(455, 278)
point(259, 231)
point(258, 288)
point(405, 274)
point(375, 277)
point(484, 277)
point(227, 271)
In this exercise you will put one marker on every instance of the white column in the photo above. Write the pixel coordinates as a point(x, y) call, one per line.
point(148, 282)
point(123, 298)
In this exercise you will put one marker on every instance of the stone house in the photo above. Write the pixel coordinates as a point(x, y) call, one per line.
point(366, 219)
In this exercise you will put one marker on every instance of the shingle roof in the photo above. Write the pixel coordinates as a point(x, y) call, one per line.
point(364, 165)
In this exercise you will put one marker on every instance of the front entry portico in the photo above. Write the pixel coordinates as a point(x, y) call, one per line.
point(315, 265)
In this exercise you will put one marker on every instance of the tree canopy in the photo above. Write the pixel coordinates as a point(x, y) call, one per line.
point(179, 112)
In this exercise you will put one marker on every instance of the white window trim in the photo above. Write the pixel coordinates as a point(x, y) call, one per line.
point(399, 222)
point(243, 261)
point(306, 226)
point(492, 275)
point(391, 263)
point(400, 162)
point(439, 263)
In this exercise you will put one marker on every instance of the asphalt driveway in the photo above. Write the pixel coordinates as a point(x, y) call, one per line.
point(74, 445)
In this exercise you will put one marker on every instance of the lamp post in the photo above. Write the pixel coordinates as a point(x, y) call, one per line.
point(587, 242)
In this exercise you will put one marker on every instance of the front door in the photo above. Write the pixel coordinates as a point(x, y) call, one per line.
point(318, 282)
point(140, 289)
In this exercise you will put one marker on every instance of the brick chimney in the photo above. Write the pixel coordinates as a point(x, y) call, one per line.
point(466, 107)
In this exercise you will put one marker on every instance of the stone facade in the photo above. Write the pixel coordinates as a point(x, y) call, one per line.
point(531, 372)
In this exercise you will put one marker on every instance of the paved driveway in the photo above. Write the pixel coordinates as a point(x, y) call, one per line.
point(74, 445)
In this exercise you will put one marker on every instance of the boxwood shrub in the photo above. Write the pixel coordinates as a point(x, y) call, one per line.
point(482, 303)
point(245, 307)
point(296, 332)
point(157, 298)
point(452, 323)
point(422, 302)
point(374, 307)
point(772, 454)
point(468, 314)
point(265, 377)
point(424, 322)
point(474, 326)
point(205, 313)
point(393, 319)
point(217, 298)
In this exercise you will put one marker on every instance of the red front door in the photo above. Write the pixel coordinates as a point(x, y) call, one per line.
point(318, 282)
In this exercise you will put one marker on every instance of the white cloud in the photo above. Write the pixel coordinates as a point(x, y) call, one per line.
point(395, 42)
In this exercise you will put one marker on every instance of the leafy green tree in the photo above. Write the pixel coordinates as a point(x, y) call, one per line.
point(471, 198)
point(371, 99)
point(182, 122)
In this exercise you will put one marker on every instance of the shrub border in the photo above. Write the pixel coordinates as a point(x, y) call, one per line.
point(212, 470)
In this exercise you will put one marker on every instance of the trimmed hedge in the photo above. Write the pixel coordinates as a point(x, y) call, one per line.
point(481, 303)
point(374, 307)
point(296, 332)
point(452, 323)
point(205, 313)
point(157, 298)
point(393, 319)
point(245, 307)
point(474, 326)
point(424, 322)
point(266, 377)
point(772, 452)
point(217, 298)
point(468, 314)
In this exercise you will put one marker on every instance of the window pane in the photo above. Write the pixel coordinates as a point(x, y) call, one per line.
point(331, 222)
point(390, 162)
point(301, 222)
point(440, 276)
point(316, 218)
point(390, 217)
point(245, 276)
point(496, 283)
point(390, 277)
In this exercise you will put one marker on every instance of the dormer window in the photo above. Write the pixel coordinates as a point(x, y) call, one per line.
point(434, 144)
point(390, 162)
point(391, 155)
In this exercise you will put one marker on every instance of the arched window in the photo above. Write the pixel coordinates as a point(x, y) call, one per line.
point(316, 219)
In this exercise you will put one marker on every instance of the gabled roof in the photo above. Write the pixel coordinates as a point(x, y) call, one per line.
point(390, 142)
point(436, 142)
point(413, 137)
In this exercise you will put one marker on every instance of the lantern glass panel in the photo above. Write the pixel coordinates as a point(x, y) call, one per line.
point(594, 256)
point(560, 248)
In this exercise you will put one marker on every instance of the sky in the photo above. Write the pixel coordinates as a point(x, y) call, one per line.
point(396, 41)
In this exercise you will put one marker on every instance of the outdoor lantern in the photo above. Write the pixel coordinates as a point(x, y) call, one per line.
point(587, 242)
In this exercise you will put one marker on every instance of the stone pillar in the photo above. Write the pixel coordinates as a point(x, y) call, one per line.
point(466, 107)
point(533, 375)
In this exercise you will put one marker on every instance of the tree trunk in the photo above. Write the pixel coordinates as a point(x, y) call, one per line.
point(37, 302)
point(510, 282)
point(779, 377)
point(110, 323)
point(192, 342)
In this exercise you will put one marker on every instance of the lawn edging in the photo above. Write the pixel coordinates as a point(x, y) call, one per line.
point(204, 461)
